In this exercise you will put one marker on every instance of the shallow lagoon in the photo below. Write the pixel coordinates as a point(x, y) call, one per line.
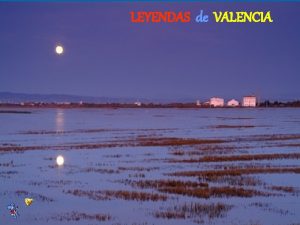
point(107, 150)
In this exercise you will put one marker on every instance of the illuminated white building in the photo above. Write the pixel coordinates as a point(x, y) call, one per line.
point(138, 103)
point(249, 101)
point(216, 102)
point(232, 103)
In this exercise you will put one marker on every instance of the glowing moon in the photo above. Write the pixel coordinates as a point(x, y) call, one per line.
point(59, 49)
point(60, 160)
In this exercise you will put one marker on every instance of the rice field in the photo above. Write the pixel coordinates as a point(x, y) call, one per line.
point(151, 166)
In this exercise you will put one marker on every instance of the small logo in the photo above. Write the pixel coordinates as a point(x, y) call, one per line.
point(28, 201)
point(13, 210)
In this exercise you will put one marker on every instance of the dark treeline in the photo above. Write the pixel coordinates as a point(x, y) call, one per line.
point(279, 104)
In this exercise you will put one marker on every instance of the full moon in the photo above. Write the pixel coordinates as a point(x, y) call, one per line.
point(60, 160)
point(59, 50)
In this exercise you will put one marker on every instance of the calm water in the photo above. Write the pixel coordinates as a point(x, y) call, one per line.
point(34, 170)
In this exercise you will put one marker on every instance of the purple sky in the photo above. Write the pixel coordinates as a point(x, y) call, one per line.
point(107, 55)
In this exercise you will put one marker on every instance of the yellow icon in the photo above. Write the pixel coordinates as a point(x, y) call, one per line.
point(28, 201)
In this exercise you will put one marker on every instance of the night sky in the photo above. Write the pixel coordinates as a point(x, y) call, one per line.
point(107, 55)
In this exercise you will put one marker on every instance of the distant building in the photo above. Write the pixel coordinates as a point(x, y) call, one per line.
point(232, 103)
point(216, 102)
point(198, 103)
point(206, 103)
point(137, 103)
point(249, 101)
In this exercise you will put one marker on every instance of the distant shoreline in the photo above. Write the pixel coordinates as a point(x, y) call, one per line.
point(41, 105)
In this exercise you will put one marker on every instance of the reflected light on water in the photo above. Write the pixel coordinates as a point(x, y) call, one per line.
point(60, 160)
point(60, 120)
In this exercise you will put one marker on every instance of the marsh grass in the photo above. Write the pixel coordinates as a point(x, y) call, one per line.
point(232, 126)
point(77, 216)
point(195, 210)
point(270, 208)
point(211, 174)
point(195, 189)
point(172, 141)
point(37, 197)
point(233, 180)
point(109, 194)
point(245, 157)
point(154, 140)
point(286, 189)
